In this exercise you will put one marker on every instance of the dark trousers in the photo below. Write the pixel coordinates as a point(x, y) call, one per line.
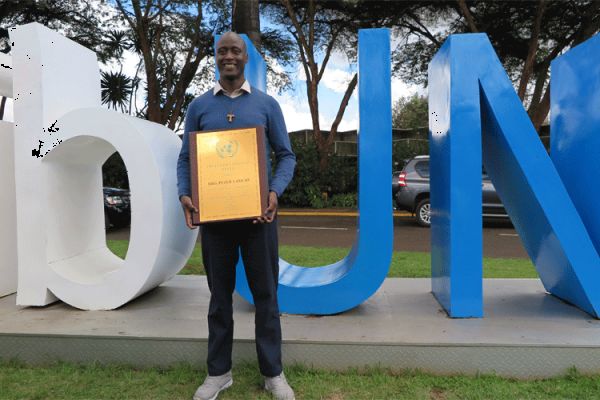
point(221, 245)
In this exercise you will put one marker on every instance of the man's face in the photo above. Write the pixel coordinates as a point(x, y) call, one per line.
point(231, 57)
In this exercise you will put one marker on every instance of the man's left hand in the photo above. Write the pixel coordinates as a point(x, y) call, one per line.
point(270, 212)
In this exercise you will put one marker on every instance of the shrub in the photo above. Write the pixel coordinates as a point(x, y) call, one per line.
point(310, 188)
point(405, 149)
point(338, 185)
point(345, 200)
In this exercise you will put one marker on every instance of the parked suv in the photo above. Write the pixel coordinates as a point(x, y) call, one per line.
point(412, 192)
point(117, 212)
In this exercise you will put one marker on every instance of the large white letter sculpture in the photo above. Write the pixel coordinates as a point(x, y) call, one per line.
point(8, 224)
point(61, 139)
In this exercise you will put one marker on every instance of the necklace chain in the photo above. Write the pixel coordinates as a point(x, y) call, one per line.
point(230, 115)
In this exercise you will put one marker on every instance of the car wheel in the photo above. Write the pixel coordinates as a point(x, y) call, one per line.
point(423, 213)
point(106, 222)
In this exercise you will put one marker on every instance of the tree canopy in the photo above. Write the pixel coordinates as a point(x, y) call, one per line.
point(174, 41)
point(172, 38)
point(410, 112)
point(526, 35)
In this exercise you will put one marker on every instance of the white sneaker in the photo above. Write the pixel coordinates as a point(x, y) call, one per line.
point(212, 386)
point(279, 387)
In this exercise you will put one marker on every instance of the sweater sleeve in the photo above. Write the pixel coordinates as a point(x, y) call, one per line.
point(183, 163)
point(285, 159)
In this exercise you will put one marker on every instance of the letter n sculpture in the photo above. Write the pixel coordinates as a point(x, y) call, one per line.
point(477, 118)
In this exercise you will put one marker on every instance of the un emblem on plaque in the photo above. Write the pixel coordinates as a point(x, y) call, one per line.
point(227, 148)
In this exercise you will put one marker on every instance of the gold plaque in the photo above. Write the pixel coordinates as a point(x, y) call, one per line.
point(228, 170)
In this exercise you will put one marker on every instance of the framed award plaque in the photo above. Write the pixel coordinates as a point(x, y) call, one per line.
point(228, 173)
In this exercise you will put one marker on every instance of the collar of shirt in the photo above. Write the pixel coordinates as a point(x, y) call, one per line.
point(237, 92)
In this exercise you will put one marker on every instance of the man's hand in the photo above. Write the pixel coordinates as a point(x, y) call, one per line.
point(188, 209)
point(270, 212)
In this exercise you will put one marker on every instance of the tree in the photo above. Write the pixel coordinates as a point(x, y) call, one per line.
point(553, 27)
point(410, 112)
point(317, 31)
point(172, 38)
point(116, 89)
point(320, 27)
point(526, 35)
point(246, 19)
point(275, 48)
point(84, 21)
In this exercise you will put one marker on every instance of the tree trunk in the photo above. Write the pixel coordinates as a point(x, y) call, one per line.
point(541, 111)
point(324, 157)
point(533, 46)
point(304, 34)
point(312, 92)
point(468, 16)
point(246, 19)
point(588, 28)
point(146, 22)
point(153, 112)
point(342, 109)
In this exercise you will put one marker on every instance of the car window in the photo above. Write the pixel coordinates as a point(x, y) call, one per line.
point(422, 168)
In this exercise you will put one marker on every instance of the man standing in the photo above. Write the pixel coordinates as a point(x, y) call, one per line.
point(232, 103)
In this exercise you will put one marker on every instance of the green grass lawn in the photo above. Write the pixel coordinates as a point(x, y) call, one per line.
point(68, 381)
point(405, 264)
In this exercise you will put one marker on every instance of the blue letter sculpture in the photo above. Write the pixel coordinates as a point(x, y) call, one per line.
point(343, 285)
point(575, 119)
point(475, 117)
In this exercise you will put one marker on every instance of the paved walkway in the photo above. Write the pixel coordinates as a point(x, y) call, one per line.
point(525, 332)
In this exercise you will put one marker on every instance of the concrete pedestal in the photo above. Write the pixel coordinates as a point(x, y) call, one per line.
point(525, 332)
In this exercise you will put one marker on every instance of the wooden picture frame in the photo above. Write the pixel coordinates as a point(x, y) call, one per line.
point(228, 174)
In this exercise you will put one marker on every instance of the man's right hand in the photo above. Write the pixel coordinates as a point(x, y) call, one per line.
point(188, 209)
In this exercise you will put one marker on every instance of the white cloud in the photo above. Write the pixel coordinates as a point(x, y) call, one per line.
point(338, 59)
point(336, 79)
point(295, 112)
point(297, 115)
point(127, 65)
point(300, 75)
point(403, 89)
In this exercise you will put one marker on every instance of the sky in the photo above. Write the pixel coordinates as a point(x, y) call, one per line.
point(294, 101)
point(338, 74)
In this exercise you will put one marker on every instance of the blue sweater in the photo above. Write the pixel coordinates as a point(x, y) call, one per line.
point(209, 112)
